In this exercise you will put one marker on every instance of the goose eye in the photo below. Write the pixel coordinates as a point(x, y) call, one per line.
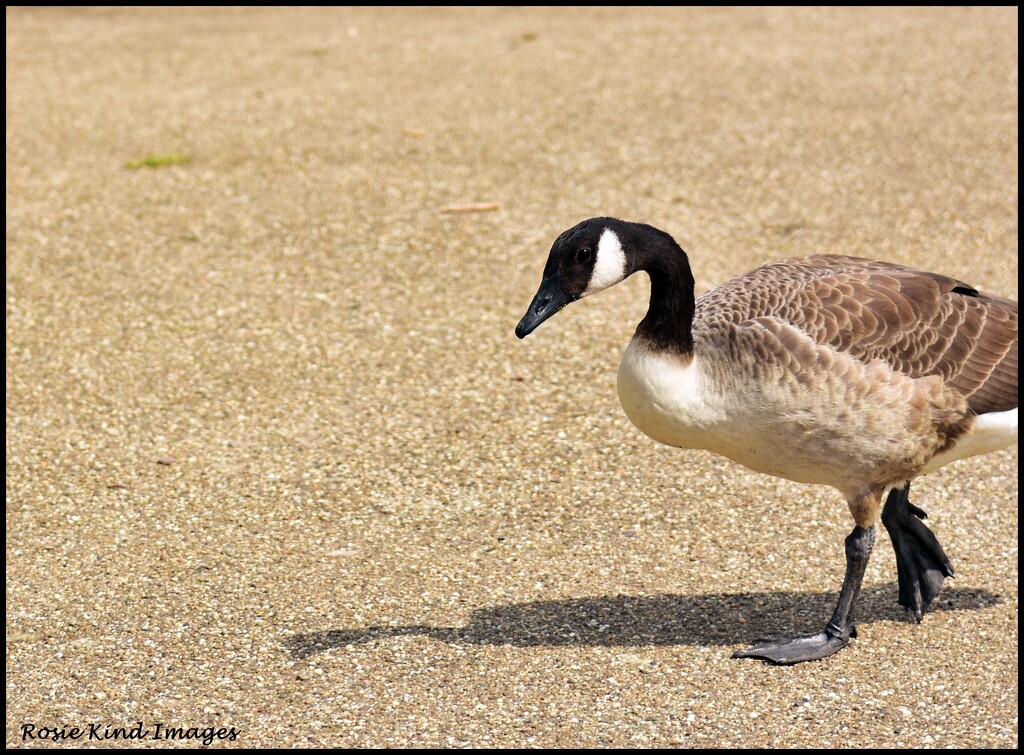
point(584, 254)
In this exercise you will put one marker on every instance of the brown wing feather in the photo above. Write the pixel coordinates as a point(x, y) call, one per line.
point(920, 323)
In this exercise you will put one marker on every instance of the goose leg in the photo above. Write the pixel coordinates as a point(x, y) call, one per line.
point(837, 632)
point(921, 564)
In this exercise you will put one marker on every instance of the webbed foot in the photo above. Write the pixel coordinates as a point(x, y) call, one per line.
point(808, 647)
point(921, 564)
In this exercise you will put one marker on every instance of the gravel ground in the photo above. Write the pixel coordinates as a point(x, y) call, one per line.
point(278, 471)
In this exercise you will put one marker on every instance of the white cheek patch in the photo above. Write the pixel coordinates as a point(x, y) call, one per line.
point(609, 264)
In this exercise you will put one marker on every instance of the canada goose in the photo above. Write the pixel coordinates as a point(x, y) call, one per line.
point(827, 369)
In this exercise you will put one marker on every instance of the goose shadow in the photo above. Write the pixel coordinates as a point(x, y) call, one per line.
point(623, 620)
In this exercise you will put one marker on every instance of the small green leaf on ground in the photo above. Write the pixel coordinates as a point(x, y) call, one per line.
point(157, 161)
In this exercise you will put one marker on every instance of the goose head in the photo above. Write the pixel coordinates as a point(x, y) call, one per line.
point(587, 258)
point(599, 253)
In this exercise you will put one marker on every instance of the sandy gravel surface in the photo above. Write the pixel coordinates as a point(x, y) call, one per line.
point(278, 467)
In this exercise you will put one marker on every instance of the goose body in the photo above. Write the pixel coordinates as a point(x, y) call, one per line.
point(760, 389)
point(833, 370)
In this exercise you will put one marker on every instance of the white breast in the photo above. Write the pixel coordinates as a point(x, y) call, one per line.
point(667, 397)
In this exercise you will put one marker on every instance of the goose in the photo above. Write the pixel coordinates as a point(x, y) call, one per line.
point(833, 370)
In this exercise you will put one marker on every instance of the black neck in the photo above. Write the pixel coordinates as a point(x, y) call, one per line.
point(669, 321)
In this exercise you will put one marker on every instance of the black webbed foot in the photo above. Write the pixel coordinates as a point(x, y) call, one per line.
point(808, 647)
point(921, 564)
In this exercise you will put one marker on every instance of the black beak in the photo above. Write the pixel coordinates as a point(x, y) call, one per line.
point(550, 298)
